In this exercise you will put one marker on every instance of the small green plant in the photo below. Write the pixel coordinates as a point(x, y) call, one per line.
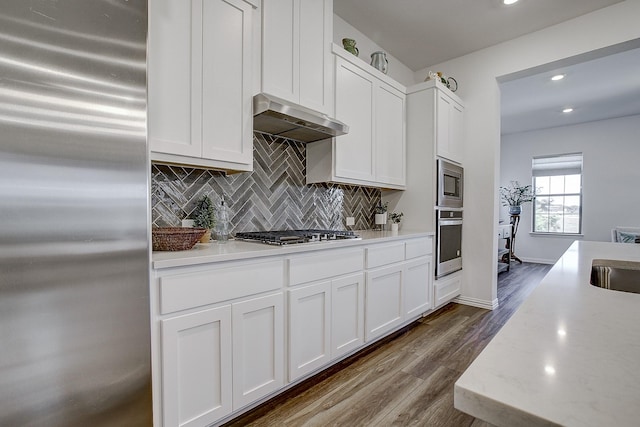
point(381, 208)
point(396, 217)
point(203, 214)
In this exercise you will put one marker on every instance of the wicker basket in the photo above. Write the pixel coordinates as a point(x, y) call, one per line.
point(175, 238)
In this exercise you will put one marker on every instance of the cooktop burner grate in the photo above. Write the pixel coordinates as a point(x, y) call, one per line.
point(287, 237)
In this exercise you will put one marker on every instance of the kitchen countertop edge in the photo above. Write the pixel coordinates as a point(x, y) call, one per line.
point(568, 356)
point(234, 250)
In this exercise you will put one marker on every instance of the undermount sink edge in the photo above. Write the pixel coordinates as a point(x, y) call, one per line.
point(616, 275)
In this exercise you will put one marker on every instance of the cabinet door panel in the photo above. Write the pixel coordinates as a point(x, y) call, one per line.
point(316, 28)
point(390, 138)
point(347, 314)
point(443, 111)
point(456, 145)
point(280, 48)
point(354, 156)
point(309, 328)
point(258, 348)
point(171, 74)
point(418, 287)
point(196, 367)
point(226, 79)
point(384, 305)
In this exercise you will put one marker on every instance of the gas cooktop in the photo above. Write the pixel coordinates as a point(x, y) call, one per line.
point(287, 237)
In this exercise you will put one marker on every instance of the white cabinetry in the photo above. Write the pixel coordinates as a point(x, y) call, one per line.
point(296, 58)
point(447, 288)
point(347, 314)
point(434, 128)
point(199, 83)
point(196, 367)
point(223, 332)
point(449, 127)
point(384, 304)
point(258, 348)
point(221, 329)
point(326, 314)
point(309, 328)
point(373, 152)
point(399, 284)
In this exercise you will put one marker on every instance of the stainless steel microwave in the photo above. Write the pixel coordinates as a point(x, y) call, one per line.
point(450, 183)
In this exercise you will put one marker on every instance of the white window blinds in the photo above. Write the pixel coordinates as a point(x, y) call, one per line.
point(565, 164)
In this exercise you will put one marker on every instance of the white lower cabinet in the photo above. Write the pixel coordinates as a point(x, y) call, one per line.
point(258, 348)
point(208, 371)
point(384, 304)
point(401, 290)
point(347, 314)
point(309, 328)
point(417, 287)
point(224, 336)
point(326, 321)
point(196, 367)
point(447, 288)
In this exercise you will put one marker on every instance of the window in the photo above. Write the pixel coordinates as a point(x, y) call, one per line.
point(557, 207)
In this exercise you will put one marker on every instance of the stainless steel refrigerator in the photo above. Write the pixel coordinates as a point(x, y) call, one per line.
point(74, 214)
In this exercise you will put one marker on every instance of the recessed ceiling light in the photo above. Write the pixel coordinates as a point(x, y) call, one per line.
point(557, 77)
point(567, 110)
point(507, 2)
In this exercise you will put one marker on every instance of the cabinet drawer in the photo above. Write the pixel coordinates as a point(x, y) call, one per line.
point(446, 289)
point(323, 265)
point(385, 254)
point(187, 290)
point(418, 247)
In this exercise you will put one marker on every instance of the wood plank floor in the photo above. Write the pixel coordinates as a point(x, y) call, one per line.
point(409, 380)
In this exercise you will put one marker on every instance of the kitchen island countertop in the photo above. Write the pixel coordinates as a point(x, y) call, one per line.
point(235, 249)
point(569, 356)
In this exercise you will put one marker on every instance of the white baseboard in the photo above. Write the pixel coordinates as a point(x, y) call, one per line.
point(475, 302)
point(539, 260)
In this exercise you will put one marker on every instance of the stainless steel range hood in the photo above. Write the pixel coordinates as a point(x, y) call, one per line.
point(282, 118)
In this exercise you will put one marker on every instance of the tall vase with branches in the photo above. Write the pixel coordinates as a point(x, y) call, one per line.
point(515, 195)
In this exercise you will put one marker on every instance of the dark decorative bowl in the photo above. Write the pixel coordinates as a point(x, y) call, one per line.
point(175, 238)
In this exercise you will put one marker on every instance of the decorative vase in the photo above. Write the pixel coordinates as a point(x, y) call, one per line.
point(350, 46)
point(379, 61)
point(515, 210)
point(394, 226)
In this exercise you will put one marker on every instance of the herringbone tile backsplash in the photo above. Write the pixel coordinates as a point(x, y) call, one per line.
point(272, 197)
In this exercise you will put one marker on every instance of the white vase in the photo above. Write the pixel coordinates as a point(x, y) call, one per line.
point(381, 219)
point(394, 226)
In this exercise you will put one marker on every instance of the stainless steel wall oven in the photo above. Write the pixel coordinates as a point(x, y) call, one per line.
point(449, 238)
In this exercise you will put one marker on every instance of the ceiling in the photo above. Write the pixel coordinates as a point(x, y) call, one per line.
point(422, 33)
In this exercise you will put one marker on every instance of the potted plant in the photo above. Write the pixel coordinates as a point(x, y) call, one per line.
point(515, 195)
point(203, 217)
point(396, 218)
point(381, 213)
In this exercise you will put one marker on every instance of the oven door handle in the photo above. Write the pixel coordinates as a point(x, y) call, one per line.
point(450, 222)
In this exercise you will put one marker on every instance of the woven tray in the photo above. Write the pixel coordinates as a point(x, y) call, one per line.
point(175, 238)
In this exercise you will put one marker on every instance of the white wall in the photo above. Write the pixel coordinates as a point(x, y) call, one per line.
point(611, 177)
point(397, 70)
point(476, 74)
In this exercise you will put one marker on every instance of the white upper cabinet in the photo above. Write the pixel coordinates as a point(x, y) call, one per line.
point(296, 51)
point(199, 79)
point(373, 153)
point(449, 126)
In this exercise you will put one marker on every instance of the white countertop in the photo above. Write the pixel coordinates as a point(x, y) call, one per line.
point(235, 250)
point(569, 356)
